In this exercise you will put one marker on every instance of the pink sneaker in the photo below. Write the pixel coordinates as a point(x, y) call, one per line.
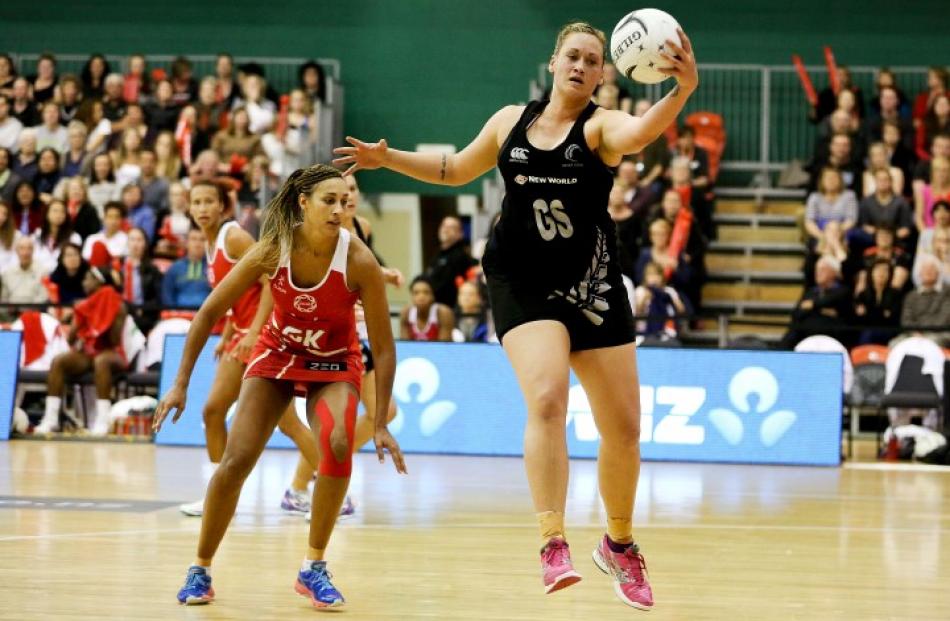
point(556, 567)
point(629, 572)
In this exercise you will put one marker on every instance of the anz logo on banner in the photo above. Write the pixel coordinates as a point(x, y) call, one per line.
point(696, 405)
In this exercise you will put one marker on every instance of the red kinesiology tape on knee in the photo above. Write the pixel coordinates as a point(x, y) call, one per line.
point(329, 466)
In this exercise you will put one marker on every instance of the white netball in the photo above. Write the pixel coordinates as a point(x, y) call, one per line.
point(637, 42)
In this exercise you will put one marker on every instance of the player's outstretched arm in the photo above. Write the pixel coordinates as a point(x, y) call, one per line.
point(247, 271)
point(623, 134)
point(441, 169)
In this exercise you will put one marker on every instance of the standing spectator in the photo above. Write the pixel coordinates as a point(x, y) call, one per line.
point(9, 180)
point(141, 282)
point(471, 316)
point(49, 239)
point(69, 274)
point(113, 104)
point(10, 126)
point(44, 82)
point(927, 308)
point(93, 76)
point(654, 159)
point(261, 111)
point(186, 281)
point(28, 212)
point(140, 214)
point(23, 108)
point(824, 308)
point(125, 159)
point(25, 163)
point(7, 75)
point(929, 193)
point(878, 307)
point(8, 236)
point(657, 302)
point(313, 83)
point(154, 187)
point(936, 122)
point(236, 144)
point(135, 83)
point(163, 112)
point(878, 159)
point(830, 202)
point(83, 214)
point(74, 158)
point(112, 242)
point(452, 262)
point(629, 229)
point(184, 86)
point(884, 208)
point(69, 98)
point(936, 86)
point(941, 216)
point(885, 250)
point(102, 186)
point(425, 319)
point(47, 174)
point(225, 90)
point(22, 283)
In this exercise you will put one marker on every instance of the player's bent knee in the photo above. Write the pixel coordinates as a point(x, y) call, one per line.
point(336, 443)
point(235, 466)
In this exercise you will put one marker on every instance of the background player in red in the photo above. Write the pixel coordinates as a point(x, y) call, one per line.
point(555, 284)
point(317, 273)
point(226, 243)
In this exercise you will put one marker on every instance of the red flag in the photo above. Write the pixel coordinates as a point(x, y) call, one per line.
point(832, 70)
point(805, 79)
point(282, 120)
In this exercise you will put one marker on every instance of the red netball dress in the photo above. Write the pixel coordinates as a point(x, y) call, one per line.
point(243, 311)
point(310, 336)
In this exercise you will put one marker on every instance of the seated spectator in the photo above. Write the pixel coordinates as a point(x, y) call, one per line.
point(697, 157)
point(206, 168)
point(47, 174)
point(134, 119)
point(878, 159)
point(25, 163)
point(929, 194)
point(112, 242)
point(22, 106)
point(926, 309)
point(425, 319)
point(888, 111)
point(154, 188)
point(878, 306)
point(825, 308)
point(259, 186)
point(840, 122)
point(167, 160)
point(141, 281)
point(884, 249)
point(184, 86)
point(637, 196)
point(50, 238)
point(936, 122)
point(174, 225)
point(69, 273)
point(261, 111)
point(99, 128)
point(69, 98)
point(44, 80)
point(102, 187)
point(113, 103)
point(136, 83)
point(692, 196)
point(22, 282)
point(452, 262)
point(658, 303)
point(937, 81)
point(8, 236)
point(883, 208)
point(290, 145)
point(607, 96)
point(686, 229)
point(828, 98)
point(51, 134)
point(7, 74)
point(10, 126)
point(27, 212)
point(164, 110)
point(9, 180)
point(471, 316)
point(841, 157)
point(186, 282)
point(831, 202)
point(899, 155)
point(939, 148)
point(75, 156)
point(93, 76)
point(97, 325)
point(140, 214)
point(125, 159)
point(236, 144)
point(940, 249)
point(887, 80)
point(677, 269)
point(83, 214)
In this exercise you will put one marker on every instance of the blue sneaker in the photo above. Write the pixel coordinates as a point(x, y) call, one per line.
point(295, 502)
point(315, 584)
point(197, 589)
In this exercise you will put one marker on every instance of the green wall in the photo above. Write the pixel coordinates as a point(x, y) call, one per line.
point(426, 71)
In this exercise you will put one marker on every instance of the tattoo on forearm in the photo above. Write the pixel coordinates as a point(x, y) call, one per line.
point(442, 174)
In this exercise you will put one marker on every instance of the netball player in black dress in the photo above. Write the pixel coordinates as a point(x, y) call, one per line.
point(556, 293)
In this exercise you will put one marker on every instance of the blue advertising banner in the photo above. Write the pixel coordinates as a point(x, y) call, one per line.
point(697, 405)
point(9, 369)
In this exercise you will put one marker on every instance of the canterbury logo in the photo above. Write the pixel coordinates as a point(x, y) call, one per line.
point(519, 153)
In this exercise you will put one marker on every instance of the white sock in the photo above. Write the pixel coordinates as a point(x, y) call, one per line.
point(207, 568)
point(51, 415)
point(308, 564)
point(103, 408)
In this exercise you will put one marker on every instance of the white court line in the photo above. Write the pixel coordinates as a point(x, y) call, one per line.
point(904, 466)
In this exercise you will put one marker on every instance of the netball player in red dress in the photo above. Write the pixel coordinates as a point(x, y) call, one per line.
point(555, 285)
point(226, 243)
point(317, 272)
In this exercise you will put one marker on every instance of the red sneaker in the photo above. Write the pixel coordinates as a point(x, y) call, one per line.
point(556, 567)
point(629, 572)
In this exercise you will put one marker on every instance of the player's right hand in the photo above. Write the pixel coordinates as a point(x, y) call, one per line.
point(174, 399)
point(219, 349)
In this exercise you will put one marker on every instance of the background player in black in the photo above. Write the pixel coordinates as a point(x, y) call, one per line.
point(553, 280)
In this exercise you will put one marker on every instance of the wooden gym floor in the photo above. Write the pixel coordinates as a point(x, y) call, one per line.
point(92, 531)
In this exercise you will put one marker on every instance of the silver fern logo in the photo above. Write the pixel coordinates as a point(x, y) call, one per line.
point(753, 391)
point(589, 295)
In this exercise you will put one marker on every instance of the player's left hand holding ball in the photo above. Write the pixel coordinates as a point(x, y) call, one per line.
point(683, 62)
point(385, 441)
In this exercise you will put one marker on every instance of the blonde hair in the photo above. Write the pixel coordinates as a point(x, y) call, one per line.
point(283, 212)
point(582, 28)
